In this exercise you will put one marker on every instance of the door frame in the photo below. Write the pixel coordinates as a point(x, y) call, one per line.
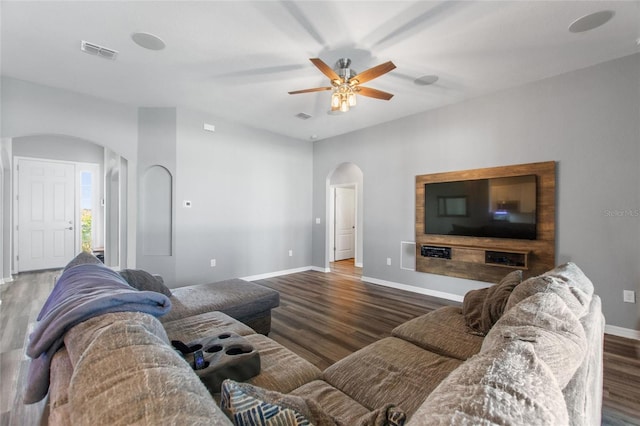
point(78, 167)
point(332, 219)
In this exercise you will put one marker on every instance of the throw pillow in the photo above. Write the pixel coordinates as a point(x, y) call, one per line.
point(482, 308)
point(246, 404)
point(472, 306)
point(82, 258)
point(497, 297)
point(144, 281)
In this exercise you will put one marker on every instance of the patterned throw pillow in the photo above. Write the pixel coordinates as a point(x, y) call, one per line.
point(249, 405)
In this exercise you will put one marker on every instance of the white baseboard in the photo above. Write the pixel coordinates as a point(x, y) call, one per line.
point(6, 280)
point(318, 269)
point(276, 274)
point(622, 332)
point(358, 264)
point(414, 289)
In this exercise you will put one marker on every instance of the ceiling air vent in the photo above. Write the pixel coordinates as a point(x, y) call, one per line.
point(94, 49)
point(303, 116)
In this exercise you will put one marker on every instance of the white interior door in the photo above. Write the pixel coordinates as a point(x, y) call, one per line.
point(46, 214)
point(345, 223)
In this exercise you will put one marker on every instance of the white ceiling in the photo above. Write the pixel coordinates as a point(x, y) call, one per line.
point(238, 59)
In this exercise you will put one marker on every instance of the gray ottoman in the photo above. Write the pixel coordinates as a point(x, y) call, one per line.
point(243, 300)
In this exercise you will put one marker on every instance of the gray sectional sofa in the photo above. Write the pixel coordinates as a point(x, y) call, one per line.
point(520, 354)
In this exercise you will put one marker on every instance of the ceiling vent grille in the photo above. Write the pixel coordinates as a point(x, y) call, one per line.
point(94, 49)
point(303, 116)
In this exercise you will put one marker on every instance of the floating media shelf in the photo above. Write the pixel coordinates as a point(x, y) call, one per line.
point(514, 259)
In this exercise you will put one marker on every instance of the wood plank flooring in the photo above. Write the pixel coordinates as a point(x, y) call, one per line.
point(322, 317)
point(21, 303)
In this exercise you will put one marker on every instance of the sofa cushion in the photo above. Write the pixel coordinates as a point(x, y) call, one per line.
point(442, 331)
point(583, 393)
point(248, 405)
point(236, 298)
point(505, 385)
point(203, 325)
point(482, 308)
point(566, 280)
point(334, 402)
point(144, 281)
point(128, 375)
point(390, 371)
point(62, 369)
point(79, 337)
point(555, 333)
point(281, 369)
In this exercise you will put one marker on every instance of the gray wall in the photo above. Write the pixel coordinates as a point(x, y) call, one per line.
point(32, 109)
point(251, 200)
point(5, 210)
point(156, 147)
point(588, 121)
point(57, 147)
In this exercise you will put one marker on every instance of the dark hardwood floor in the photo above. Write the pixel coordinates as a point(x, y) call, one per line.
point(322, 317)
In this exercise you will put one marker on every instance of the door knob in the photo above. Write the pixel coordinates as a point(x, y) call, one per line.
point(70, 228)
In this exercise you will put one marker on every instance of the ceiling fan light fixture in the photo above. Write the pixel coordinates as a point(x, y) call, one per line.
point(345, 83)
point(352, 99)
point(335, 100)
point(344, 105)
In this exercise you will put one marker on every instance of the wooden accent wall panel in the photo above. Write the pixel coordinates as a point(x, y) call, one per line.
point(541, 252)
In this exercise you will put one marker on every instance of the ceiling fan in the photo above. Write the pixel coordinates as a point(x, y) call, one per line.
point(345, 83)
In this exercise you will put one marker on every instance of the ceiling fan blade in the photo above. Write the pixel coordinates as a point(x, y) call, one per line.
point(373, 93)
point(374, 72)
point(315, 89)
point(326, 69)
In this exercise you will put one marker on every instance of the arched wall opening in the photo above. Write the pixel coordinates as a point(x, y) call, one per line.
point(107, 172)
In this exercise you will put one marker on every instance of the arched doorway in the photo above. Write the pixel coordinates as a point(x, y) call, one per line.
point(98, 198)
point(344, 215)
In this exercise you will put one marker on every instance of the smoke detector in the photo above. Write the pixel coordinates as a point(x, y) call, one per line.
point(97, 50)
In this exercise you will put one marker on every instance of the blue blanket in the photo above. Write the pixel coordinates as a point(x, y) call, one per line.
point(82, 292)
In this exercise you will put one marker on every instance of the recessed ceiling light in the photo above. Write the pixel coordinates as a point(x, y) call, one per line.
point(591, 21)
point(426, 80)
point(148, 41)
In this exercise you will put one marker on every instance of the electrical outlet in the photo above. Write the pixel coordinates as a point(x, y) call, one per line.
point(213, 263)
point(388, 261)
point(317, 220)
point(290, 253)
point(629, 296)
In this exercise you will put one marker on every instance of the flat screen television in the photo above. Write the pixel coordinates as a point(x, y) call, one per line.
point(502, 207)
